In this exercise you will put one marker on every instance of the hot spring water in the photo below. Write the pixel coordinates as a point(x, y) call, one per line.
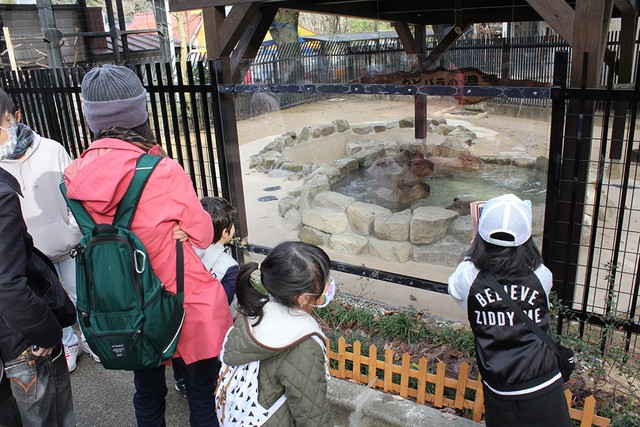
point(490, 181)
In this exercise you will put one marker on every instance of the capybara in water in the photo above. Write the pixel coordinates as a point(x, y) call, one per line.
point(460, 206)
point(384, 166)
point(449, 165)
point(415, 170)
point(405, 156)
point(405, 193)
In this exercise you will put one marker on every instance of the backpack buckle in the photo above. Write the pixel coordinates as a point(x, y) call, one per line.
point(76, 250)
point(140, 266)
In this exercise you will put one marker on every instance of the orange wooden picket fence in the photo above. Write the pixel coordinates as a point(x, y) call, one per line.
point(409, 382)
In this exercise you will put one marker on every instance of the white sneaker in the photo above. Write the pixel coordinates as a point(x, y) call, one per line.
point(71, 353)
point(87, 350)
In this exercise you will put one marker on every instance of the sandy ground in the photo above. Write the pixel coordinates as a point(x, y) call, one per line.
point(495, 134)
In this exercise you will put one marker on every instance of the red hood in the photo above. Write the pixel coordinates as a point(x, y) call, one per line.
point(100, 176)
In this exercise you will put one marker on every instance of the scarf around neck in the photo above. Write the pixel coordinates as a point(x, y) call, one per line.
point(24, 139)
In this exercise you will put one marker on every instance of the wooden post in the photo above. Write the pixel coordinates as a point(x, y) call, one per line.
point(9, 43)
point(587, 45)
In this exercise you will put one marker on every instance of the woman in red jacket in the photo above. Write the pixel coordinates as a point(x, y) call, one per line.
point(115, 106)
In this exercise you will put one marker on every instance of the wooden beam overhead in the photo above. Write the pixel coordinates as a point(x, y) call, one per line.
point(406, 38)
point(251, 40)
point(234, 25)
point(558, 14)
point(628, 6)
point(446, 43)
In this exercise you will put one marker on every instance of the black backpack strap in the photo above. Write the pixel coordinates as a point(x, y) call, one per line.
point(495, 285)
point(79, 212)
point(127, 207)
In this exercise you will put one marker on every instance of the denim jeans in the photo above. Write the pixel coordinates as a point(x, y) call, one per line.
point(151, 390)
point(41, 387)
point(67, 271)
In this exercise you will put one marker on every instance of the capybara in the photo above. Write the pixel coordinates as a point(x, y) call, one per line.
point(384, 166)
point(460, 206)
point(449, 165)
point(405, 193)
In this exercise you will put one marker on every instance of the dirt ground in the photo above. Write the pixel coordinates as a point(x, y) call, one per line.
point(496, 134)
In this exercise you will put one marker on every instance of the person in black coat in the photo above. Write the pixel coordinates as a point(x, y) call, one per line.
point(30, 334)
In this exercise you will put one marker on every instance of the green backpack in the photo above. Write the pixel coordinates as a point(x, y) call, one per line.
point(129, 320)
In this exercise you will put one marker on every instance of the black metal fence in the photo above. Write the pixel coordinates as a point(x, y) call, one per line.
point(180, 108)
point(592, 233)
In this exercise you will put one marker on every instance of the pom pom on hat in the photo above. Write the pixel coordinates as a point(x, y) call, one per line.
point(113, 96)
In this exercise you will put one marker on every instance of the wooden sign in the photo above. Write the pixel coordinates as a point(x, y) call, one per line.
point(458, 77)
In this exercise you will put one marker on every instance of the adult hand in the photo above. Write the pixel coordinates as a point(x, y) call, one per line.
point(41, 352)
point(178, 234)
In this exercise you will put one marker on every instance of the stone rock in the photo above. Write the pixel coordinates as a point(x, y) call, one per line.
point(369, 155)
point(430, 224)
point(341, 125)
point(291, 135)
point(462, 229)
point(346, 165)
point(287, 203)
point(255, 160)
point(269, 157)
point(542, 164)
point(331, 172)
point(462, 133)
point(453, 150)
point(287, 140)
point(316, 132)
point(362, 216)
point(393, 124)
point(292, 220)
point(379, 127)
point(406, 122)
point(275, 145)
point(448, 252)
point(291, 167)
point(326, 130)
point(352, 148)
point(348, 243)
point(333, 200)
point(362, 129)
point(316, 185)
point(312, 236)
point(394, 226)
point(326, 220)
point(525, 162)
point(303, 134)
point(444, 129)
point(389, 250)
point(437, 121)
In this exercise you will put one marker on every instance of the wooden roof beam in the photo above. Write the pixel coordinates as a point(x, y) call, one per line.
point(444, 45)
point(628, 6)
point(251, 40)
point(558, 14)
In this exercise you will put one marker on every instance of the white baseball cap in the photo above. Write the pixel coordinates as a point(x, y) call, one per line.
point(508, 215)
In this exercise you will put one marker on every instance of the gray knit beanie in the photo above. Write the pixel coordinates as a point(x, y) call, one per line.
point(112, 95)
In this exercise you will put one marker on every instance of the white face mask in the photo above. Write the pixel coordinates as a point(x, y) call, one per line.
point(10, 144)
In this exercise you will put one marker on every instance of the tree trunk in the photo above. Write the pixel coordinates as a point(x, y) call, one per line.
point(284, 32)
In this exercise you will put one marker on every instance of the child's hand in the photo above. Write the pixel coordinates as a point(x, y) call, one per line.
point(178, 234)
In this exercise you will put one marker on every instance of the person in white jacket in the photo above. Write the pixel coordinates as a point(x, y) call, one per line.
point(38, 164)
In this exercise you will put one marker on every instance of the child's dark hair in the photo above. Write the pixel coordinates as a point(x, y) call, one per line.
point(289, 270)
point(222, 214)
point(516, 260)
point(6, 104)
